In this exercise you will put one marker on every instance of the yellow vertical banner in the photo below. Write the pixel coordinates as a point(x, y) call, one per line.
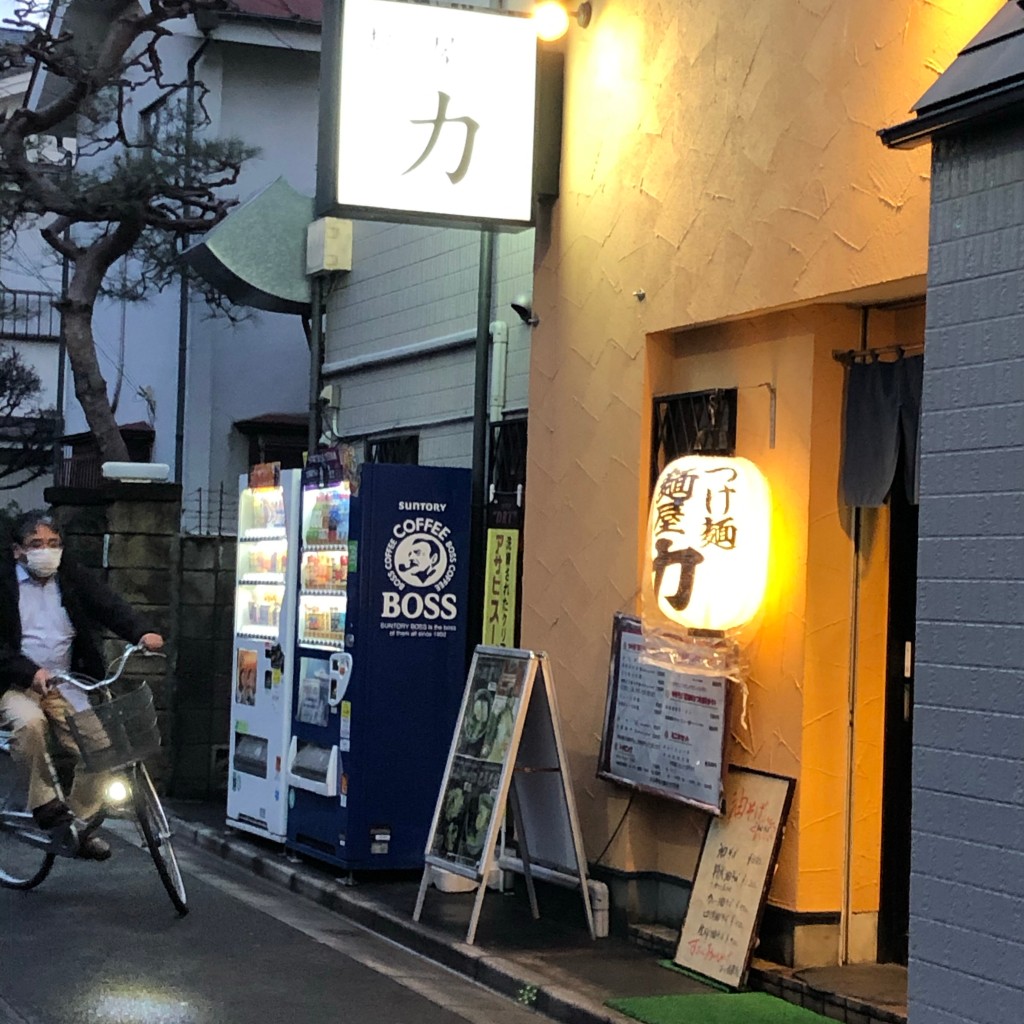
point(500, 587)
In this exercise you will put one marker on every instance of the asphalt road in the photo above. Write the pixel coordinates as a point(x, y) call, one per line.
point(101, 944)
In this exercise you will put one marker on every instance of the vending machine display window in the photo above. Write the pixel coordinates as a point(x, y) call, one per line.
point(323, 595)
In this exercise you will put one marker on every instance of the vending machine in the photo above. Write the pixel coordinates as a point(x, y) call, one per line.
point(380, 662)
point(266, 589)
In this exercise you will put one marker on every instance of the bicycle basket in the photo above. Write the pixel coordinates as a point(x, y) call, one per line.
point(118, 731)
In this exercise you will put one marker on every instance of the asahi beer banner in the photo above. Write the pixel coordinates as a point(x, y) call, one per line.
point(435, 113)
point(420, 563)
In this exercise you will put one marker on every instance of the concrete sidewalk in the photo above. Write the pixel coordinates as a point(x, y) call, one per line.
point(550, 964)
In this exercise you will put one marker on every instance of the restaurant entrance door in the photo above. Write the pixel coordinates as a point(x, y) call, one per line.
point(894, 896)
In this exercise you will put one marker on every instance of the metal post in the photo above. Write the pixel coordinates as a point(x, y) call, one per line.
point(58, 426)
point(183, 289)
point(851, 711)
point(316, 347)
point(480, 420)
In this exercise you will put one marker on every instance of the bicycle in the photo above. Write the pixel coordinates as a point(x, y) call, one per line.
point(113, 735)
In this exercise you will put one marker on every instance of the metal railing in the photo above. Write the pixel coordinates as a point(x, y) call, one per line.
point(28, 316)
point(209, 512)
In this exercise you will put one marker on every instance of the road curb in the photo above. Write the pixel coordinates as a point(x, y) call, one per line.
point(500, 974)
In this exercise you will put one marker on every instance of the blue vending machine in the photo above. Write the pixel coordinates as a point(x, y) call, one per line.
point(381, 660)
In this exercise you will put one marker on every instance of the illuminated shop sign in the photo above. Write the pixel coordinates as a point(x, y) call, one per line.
point(708, 541)
point(435, 114)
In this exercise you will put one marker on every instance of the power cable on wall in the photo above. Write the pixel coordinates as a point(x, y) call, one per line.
point(611, 838)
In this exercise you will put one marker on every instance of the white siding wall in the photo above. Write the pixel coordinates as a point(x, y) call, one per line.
point(416, 286)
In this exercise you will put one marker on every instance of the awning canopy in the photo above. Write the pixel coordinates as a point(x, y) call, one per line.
point(256, 256)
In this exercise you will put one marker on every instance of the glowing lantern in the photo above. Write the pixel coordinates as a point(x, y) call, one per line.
point(708, 541)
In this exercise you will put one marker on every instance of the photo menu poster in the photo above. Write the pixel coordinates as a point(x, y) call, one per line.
point(664, 728)
point(490, 709)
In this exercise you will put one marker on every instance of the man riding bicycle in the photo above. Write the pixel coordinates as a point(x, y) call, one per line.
point(50, 611)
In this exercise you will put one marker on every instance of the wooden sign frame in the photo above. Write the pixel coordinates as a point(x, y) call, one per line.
point(506, 737)
point(722, 865)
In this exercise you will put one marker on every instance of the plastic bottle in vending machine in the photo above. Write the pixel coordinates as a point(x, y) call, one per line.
point(337, 620)
point(314, 530)
point(339, 570)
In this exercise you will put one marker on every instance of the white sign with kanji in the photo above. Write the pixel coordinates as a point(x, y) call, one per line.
point(436, 112)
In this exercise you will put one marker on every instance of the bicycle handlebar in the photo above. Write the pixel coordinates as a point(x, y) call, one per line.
point(96, 684)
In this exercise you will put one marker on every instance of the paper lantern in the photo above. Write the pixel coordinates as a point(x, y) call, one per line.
point(708, 541)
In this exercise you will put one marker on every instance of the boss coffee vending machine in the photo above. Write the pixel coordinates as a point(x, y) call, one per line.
point(380, 660)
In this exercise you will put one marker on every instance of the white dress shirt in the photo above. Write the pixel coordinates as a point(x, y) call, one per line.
point(46, 630)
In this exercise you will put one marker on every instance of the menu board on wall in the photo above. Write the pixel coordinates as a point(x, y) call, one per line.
point(733, 876)
point(664, 728)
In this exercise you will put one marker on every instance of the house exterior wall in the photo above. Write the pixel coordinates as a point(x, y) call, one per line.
point(262, 87)
point(725, 165)
point(400, 334)
point(967, 886)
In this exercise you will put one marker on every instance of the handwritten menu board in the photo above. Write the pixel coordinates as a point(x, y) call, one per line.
point(664, 728)
point(733, 876)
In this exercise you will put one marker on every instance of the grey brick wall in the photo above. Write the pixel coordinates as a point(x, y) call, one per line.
point(967, 886)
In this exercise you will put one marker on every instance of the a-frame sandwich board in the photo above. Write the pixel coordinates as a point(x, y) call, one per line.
point(506, 752)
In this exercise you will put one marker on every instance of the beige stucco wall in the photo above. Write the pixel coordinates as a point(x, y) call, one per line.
point(723, 159)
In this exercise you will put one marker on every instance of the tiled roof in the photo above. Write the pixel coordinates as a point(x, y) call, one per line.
point(290, 10)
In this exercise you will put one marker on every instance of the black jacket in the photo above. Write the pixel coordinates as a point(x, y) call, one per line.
point(91, 606)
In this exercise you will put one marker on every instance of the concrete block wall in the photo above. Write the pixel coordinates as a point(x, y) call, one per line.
point(205, 629)
point(128, 534)
point(967, 887)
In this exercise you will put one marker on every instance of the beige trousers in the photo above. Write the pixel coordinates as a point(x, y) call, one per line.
point(33, 719)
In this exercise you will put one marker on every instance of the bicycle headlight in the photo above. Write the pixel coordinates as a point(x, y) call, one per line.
point(117, 792)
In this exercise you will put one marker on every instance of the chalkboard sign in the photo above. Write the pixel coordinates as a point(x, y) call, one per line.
point(733, 876)
point(664, 728)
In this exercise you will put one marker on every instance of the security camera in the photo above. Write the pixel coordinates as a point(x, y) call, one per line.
point(524, 310)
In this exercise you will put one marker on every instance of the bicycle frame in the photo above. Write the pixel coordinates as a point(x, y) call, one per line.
point(150, 819)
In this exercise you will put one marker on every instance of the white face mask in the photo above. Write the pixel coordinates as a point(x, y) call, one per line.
point(43, 562)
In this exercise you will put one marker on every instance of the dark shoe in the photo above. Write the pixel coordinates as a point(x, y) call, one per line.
point(53, 814)
point(94, 848)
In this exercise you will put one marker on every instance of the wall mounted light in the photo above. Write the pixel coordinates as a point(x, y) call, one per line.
point(551, 18)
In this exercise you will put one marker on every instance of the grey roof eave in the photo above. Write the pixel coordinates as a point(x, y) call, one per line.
point(984, 82)
point(1005, 103)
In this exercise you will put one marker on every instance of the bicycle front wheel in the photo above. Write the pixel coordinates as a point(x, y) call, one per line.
point(22, 864)
point(157, 833)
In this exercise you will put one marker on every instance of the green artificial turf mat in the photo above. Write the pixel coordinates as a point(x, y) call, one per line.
point(739, 1008)
point(671, 965)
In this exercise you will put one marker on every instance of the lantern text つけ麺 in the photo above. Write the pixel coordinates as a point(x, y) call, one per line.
point(708, 541)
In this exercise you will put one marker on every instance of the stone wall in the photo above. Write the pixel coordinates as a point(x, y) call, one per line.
point(129, 535)
point(204, 633)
